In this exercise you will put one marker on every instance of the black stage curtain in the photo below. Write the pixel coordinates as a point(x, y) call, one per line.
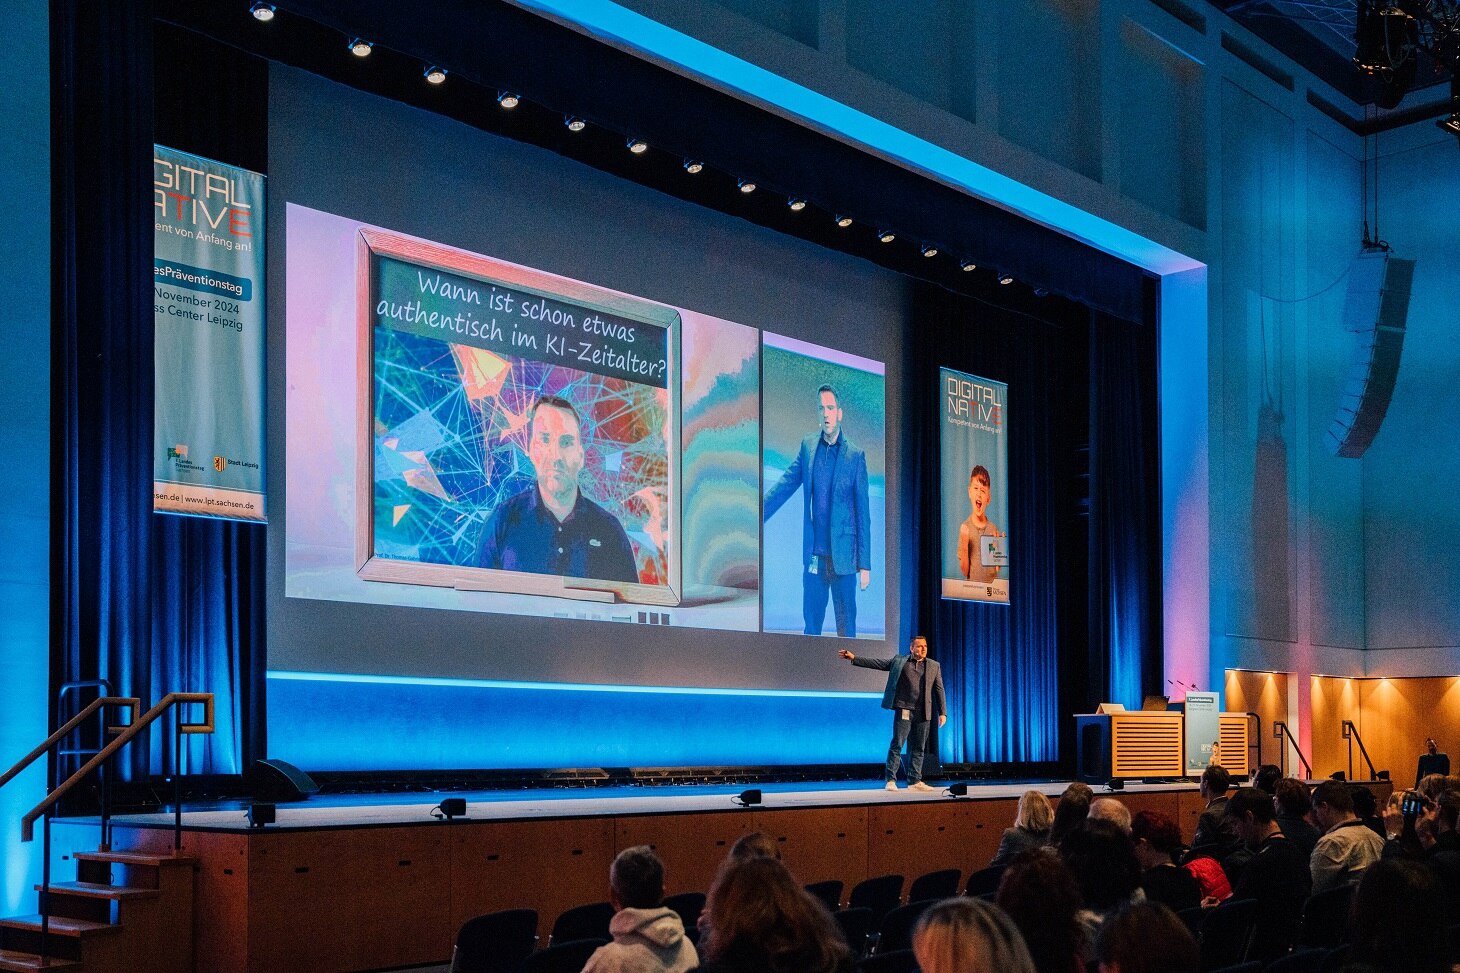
point(1125, 512)
point(154, 604)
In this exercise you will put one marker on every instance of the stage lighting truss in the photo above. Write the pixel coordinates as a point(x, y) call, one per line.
point(1390, 34)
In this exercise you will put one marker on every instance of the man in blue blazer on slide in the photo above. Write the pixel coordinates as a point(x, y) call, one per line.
point(836, 536)
point(915, 695)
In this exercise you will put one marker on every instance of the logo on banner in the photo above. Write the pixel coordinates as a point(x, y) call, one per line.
point(179, 451)
point(220, 464)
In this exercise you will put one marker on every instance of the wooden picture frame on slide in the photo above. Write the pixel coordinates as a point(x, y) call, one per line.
point(375, 244)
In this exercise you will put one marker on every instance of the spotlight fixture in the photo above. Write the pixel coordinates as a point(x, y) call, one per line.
point(262, 12)
point(435, 75)
point(1005, 278)
point(1451, 124)
point(886, 236)
point(360, 47)
point(967, 265)
point(574, 123)
point(693, 166)
point(746, 186)
point(637, 146)
point(748, 798)
point(508, 100)
point(1115, 784)
point(958, 789)
point(843, 221)
point(795, 204)
point(929, 250)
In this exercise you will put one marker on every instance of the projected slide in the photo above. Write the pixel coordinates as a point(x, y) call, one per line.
point(975, 486)
point(470, 434)
point(825, 500)
point(538, 407)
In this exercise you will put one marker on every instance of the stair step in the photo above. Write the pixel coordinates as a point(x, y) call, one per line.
point(70, 928)
point(132, 858)
point(14, 962)
point(95, 890)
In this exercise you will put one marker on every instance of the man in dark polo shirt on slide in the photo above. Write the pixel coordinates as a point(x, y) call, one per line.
point(915, 695)
point(551, 528)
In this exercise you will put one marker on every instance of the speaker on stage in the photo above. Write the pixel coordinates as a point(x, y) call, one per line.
point(280, 781)
point(1375, 310)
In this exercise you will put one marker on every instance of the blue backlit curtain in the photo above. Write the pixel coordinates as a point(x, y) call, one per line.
point(1125, 504)
point(1000, 663)
point(153, 604)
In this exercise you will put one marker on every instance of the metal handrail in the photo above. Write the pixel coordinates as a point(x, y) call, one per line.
point(130, 702)
point(1351, 733)
point(1280, 730)
point(128, 733)
point(1257, 736)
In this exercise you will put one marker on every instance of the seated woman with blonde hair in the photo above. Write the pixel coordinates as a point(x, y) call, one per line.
point(1031, 829)
point(969, 936)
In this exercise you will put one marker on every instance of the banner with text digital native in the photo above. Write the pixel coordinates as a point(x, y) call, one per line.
point(208, 316)
point(975, 485)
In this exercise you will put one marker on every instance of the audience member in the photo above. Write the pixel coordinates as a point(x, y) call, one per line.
point(1031, 828)
point(1293, 803)
point(647, 937)
point(1213, 834)
point(1401, 839)
point(1366, 808)
point(969, 936)
point(1265, 778)
point(761, 921)
point(1276, 876)
point(1103, 861)
point(1070, 812)
point(1398, 921)
point(1147, 938)
point(1157, 843)
point(1112, 811)
point(755, 845)
point(1447, 817)
point(1040, 894)
point(1347, 848)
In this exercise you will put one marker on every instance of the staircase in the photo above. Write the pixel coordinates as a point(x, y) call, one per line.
point(127, 912)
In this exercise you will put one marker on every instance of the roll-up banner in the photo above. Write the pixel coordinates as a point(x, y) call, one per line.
point(975, 485)
point(208, 315)
point(1203, 731)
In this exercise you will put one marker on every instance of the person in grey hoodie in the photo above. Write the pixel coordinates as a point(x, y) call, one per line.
point(647, 937)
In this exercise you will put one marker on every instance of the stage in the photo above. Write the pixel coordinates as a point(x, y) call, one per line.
point(369, 881)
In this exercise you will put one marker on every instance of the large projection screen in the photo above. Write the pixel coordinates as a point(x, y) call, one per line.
point(378, 567)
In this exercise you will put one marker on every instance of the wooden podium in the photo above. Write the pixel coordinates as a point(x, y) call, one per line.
point(1145, 743)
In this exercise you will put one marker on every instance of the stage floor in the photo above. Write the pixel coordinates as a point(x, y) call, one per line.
point(324, 811)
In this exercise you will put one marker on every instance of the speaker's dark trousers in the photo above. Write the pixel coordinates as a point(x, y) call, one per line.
point(915, 734)
point(815, 586)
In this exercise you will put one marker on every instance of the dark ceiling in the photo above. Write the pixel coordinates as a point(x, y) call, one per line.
point(1319, 35)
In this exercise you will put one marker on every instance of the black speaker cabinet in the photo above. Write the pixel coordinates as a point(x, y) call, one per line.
point(280, 781)
point(1375, 310)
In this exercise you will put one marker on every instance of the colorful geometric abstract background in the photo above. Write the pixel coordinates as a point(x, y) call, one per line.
point(450, 424)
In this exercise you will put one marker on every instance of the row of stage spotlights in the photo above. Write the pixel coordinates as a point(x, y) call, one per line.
point(436, 75)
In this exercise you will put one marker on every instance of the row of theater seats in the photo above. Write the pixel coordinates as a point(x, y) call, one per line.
point(877, 921)
point(874, 919)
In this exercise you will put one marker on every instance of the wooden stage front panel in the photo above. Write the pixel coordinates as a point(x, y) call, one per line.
point(344, 899)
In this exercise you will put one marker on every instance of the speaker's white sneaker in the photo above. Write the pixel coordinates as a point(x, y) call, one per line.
point(891, 785)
